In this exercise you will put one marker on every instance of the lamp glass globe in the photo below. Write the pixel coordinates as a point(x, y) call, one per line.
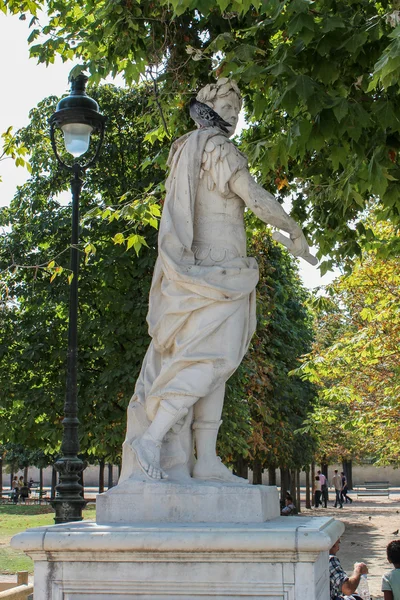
point(77, 138)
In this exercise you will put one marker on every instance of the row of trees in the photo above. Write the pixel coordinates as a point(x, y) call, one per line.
point(320, 82)
point(354, 363)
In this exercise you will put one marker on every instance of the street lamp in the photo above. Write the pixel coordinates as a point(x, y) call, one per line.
point(77, 116)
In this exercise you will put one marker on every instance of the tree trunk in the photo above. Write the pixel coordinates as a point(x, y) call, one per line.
point(110, 476)
point(53, 483)
point(324, 469)
point(292, 484)
point(313, 478)
point(11, 479)
point(26, 475)
point(285, 482)
point(271, 476)
point(257, 472)
point(101, 476)
point(308, 495)
point(298, 501)
point(241, 468)
point(347, 466)
point(1, 477)
point(40, 482)
point(119, 469)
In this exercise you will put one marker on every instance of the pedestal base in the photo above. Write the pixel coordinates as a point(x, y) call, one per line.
point(138, 501)
point(282, 559)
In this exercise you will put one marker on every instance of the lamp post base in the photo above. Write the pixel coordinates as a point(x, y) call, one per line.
point(68, 510)
point(69, 502)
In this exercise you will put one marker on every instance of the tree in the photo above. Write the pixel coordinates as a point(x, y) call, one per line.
point(356, 370)
point(320, 80)
point(12, 150)
point(114, 283)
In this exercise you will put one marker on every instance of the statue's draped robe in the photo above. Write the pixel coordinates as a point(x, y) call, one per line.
point(201, 318)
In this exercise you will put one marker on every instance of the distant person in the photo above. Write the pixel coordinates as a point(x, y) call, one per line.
point(289, 508)
point(24, 492)
point(14, 490)
point(31, 483)
point(337, 484)
point(20, 482)
point(391, 580)
point(324, 489)
point(342, 586)
point(344, 495)
point(317, 492)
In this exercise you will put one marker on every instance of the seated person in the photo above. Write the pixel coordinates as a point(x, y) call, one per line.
point(391, 580)
point(341, 585)
point(24, 492)
point(289, 508)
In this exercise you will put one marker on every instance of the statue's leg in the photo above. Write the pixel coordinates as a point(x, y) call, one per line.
point(207, 421)
point(147, 448)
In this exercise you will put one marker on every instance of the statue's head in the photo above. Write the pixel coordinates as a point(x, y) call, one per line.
point(225, 98)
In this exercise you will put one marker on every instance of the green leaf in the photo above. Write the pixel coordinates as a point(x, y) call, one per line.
point(118, 238)
point(332, 22)
point(385, 115)
point(299, 22)
point(131, 241)
point(338, 155)
point(358, 198)
point(341, 110)
point(304, 86)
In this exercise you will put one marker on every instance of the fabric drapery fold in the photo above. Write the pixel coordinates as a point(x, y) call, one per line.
point(194, 349)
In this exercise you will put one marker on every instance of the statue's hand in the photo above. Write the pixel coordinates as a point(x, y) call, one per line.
point(297, 245)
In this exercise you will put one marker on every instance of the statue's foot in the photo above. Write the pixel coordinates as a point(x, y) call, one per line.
point(147, 452)
point(216, 471)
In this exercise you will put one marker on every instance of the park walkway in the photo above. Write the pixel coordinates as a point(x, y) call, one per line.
point(370, 525)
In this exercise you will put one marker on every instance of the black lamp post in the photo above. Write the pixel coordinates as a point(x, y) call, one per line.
point(78, 116)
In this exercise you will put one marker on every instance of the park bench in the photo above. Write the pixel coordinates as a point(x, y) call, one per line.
point(21, 590)
point(374, 488)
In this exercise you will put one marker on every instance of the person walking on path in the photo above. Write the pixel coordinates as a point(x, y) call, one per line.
point(317, 493)
point(344, 495)
point(391, 580)
point(342, 586)
point(324, 489)
point(337, 484)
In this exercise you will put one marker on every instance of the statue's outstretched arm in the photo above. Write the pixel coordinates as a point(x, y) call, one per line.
point(268, 209)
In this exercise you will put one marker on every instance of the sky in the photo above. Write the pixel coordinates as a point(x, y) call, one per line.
point(25, 84)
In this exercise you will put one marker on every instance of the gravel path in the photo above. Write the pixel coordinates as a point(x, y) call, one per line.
point(370, 526)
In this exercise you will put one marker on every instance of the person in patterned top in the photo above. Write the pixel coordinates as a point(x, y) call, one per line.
point(341, 585)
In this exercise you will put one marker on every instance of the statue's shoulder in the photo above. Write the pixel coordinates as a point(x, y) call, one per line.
point(220, 150)
point(222, 146)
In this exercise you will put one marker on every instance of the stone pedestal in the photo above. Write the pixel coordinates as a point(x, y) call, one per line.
point(283, 559)
point(144, 501)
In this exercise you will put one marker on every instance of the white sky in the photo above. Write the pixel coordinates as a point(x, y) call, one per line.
point(25, 83)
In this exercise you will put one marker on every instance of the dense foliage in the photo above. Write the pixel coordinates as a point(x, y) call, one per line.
point(355, 361)
point(320, 78)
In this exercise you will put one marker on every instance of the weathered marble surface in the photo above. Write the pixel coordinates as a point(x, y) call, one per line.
point(145, 501)
point(202, 300)
point(282, 559)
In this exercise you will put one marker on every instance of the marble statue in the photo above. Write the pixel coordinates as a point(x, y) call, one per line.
point(202, 301)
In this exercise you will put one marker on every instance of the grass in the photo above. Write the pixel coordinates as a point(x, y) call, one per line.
point(17, 518)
